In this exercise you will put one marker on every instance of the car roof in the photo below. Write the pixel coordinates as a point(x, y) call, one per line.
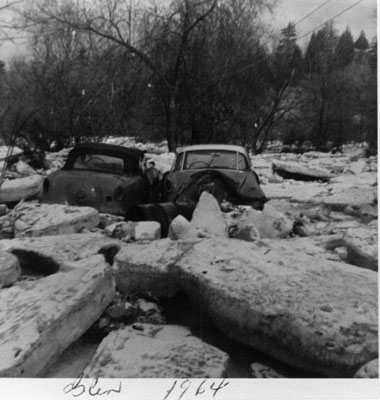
point(110, 149)
point(228, 147)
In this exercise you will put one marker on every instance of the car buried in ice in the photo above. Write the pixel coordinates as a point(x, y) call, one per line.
point(223, 170)
point(107, 177)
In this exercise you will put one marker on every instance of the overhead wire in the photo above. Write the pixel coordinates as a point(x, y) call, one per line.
point(306, 34)
point(303, 18)
point(300, 37)
point(311, 12)
point(331, 19)
point(299, 21)
point(14, 38)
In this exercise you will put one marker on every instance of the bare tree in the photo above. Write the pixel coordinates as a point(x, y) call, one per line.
point(123, 22)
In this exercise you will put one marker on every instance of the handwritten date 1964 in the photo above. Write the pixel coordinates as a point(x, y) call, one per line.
point(179, 389)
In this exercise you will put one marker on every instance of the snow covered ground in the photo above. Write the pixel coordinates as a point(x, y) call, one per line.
point(318, 236)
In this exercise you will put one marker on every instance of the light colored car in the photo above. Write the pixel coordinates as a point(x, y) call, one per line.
point(223, 170)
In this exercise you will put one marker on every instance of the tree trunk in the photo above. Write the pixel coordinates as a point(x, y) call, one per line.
point(172, 126)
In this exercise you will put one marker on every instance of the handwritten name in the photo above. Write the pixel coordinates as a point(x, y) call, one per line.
point(78, 387)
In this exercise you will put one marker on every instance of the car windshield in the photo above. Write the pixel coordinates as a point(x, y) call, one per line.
point(103, 163)
point(221, 159)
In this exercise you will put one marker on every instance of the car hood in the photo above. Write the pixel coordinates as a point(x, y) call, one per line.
point(248, 187)
point(243, 185)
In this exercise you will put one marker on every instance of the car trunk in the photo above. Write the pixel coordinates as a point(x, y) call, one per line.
point(93, 189)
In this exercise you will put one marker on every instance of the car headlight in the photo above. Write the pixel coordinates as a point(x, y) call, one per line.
point(119, 194)
point(168, 186)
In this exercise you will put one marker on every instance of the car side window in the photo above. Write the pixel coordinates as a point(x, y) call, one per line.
point(242, 163)
point(99, 162)
point(80, 162)
point(178, 162)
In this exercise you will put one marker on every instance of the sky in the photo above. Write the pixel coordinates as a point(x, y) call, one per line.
point(361, 17)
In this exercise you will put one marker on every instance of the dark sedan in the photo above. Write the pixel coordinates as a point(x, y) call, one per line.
point(107, 177)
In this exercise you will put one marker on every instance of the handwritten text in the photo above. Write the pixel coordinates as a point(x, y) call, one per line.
point(180, 387)
point(78, 387)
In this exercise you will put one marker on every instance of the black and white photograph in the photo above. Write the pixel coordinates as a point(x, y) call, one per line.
point(188, 199)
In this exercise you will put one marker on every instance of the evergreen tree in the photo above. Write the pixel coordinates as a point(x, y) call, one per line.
point(288, 55)
point(320, 62)
point(373, 56)
point(288, 38)
point(345, 51)
point(297, 62)
point(311, 55)
point(370, 102)
point(319, 53)
point(362, 42)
